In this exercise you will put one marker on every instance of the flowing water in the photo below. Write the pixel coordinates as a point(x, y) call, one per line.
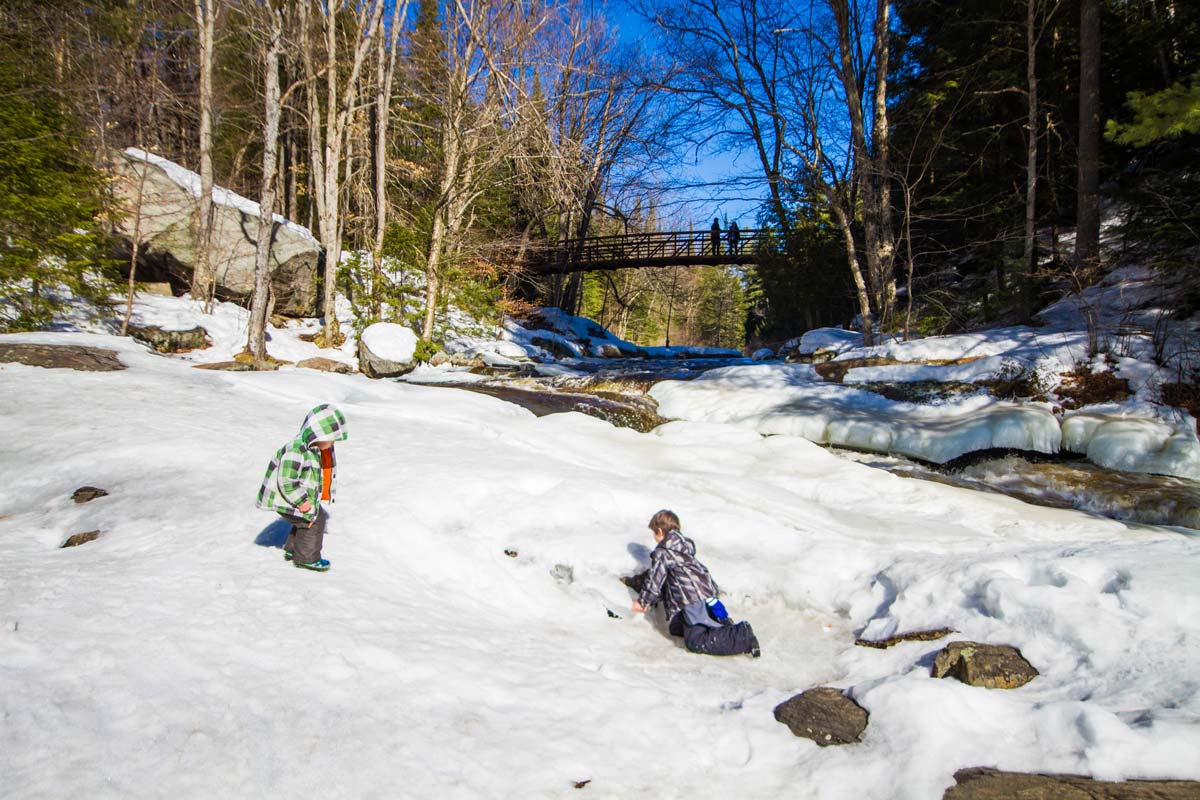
point(615, 390)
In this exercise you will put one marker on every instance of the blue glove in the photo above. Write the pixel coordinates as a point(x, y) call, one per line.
point(716, 609)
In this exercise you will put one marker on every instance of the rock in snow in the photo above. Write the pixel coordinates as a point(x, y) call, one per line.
point(825, 715)
point(169, 194)
point(385, 350)
point(982, 783)
point(992, 666)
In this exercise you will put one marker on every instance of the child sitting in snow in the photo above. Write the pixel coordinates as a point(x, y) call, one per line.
point(692, 608)
point(299, 478)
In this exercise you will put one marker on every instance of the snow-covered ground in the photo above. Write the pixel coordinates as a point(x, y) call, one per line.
point(1137, 434)
point(179, 655)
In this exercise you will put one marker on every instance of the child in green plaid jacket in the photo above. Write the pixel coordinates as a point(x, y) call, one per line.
point(299, 478)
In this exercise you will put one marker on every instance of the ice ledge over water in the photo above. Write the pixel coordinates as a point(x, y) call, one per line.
point(784, 399)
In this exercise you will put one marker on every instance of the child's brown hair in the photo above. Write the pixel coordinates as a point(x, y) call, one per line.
point(665, 521)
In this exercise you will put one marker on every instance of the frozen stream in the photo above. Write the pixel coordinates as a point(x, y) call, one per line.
point(614, 390)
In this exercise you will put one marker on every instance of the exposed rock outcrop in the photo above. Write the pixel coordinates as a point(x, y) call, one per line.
point(993, 666)
point(61, 356)
point(169, 195)
point(86, 493)
point(911, 636)
point(979, 783)
point(325, 365)
point(165, 341)
point(81, 538)
point(824, 715)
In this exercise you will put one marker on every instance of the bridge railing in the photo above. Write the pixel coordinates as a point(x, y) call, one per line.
point(658, 248)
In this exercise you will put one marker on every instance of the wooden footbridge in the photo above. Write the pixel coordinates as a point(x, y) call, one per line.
point(634, 250)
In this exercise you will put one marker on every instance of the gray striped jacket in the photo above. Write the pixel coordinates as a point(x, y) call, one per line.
point(676, 576)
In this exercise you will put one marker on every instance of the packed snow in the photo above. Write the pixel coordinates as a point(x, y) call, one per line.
point(179, 655)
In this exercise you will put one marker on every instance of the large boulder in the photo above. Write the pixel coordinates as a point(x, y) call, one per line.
point(824, 715)
point(168, 196)
point(386, 350)
point(992, 666)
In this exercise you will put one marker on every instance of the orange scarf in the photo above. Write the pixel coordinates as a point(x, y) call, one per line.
point(326, 472)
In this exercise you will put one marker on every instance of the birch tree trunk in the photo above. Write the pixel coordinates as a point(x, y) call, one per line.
point(260, 299)
point(203, 275)
point(386, 71)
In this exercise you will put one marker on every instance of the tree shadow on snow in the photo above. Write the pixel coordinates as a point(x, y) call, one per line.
point(274, 535)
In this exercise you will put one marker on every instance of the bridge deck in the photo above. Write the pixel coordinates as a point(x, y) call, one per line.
point(659, 249)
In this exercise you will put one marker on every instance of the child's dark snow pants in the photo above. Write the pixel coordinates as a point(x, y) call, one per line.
point(304, 542)
point(726, 640)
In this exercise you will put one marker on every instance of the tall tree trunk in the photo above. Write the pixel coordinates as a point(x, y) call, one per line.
point(1025, 273)
point(1087, 233)
point(860, 283)
point(257, 338)
point(386, 70)
point(203, 275)
point(133, 258)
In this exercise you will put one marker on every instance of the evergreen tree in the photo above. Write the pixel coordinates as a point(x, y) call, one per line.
point(50, 194)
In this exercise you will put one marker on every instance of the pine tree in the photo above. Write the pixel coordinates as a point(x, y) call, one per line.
point(50, 195)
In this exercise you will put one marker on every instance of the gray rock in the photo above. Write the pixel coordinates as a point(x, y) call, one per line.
point(980, 783)
point(85, 493)
point(163, 289)
point(171, 341)
point(556, 347)
point(911, 636)
point(325, 365)
point(824, 715)
point(61, 356)
point(607, 351)
point(993, 666)
point(439, 358)
point(467, 360)
point(81, 538)
point(228, 366)
point(373, 366)
point(168, 237)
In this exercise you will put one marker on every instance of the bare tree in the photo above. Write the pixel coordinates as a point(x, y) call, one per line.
point(1087, 233)
point(272, 111)
point(205, 13)
point(385, 65)
point(327, 131)
point(1033, 33)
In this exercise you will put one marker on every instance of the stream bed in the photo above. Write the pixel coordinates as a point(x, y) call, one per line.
point(615, 390)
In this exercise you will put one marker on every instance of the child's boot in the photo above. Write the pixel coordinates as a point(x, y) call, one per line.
point(315, 566)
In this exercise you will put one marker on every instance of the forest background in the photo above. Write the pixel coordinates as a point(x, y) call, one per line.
point(922, 166)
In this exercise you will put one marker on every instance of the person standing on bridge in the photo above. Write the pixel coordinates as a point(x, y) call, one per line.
point(735, 236)
point(714, 237)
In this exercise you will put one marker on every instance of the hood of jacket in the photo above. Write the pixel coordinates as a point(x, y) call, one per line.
point(678, 543)
point(325, 423)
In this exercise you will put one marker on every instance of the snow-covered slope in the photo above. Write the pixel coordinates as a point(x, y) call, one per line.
point(179, 655)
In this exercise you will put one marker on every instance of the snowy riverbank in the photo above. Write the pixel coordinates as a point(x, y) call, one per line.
point(178, 654)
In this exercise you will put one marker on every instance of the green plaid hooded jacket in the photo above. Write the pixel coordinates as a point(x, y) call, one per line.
point(294, 474)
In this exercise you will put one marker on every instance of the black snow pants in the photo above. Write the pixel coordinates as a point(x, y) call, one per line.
point(306, 538)
point(727, 640)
